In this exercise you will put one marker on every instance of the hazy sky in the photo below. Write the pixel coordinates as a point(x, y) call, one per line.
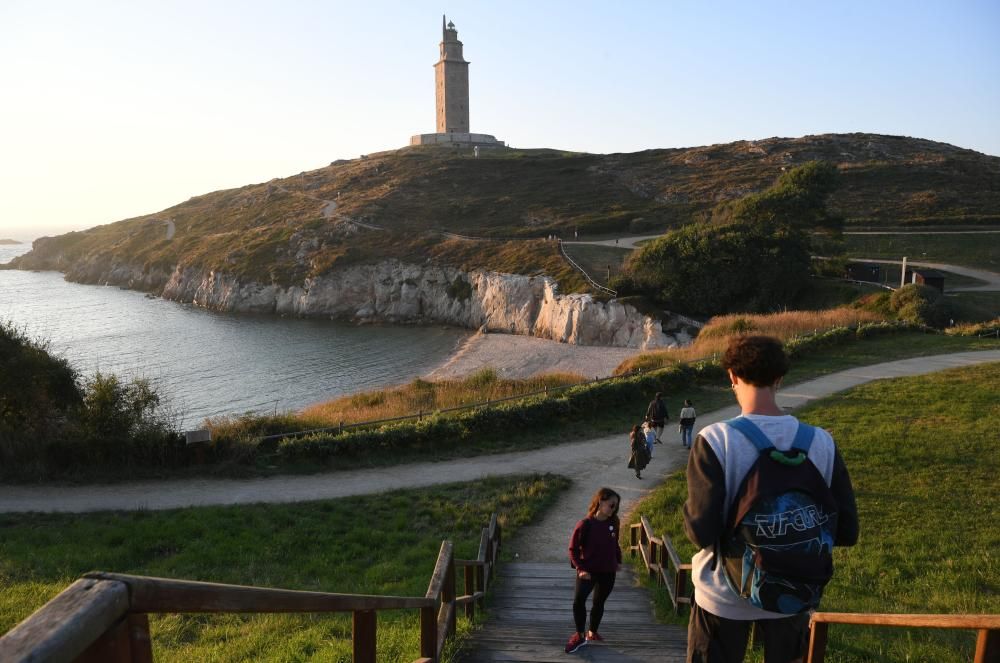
point(112, 109)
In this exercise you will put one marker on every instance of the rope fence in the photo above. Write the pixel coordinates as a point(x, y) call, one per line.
point(594, 283)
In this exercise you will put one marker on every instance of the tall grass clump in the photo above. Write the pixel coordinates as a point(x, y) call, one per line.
point(428, 396)
point(983, 329)
point(785, 325)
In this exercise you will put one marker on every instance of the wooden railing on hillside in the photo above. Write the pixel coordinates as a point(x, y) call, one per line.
point(987, 642)
point(587, 276)
point(103, 616)
point(662, 561)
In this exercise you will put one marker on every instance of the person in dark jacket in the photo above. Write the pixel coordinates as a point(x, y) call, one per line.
point(596, 555)
point(720, 459)
point(657, 415)
point(639, 455)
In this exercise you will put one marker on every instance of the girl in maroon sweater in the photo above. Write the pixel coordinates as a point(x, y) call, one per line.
point(595, 554)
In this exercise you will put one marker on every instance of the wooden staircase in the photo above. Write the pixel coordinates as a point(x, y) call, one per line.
point(530, 618)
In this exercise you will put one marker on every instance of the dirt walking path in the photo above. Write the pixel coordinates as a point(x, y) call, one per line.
point(589, 463)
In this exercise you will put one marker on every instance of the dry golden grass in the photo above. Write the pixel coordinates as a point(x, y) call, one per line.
point(427, 396)
point(714, 338)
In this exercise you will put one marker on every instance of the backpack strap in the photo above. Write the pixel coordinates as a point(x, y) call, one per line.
point(751, 432)
point(804, 436)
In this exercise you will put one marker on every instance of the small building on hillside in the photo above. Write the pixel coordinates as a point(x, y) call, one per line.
point(928, 277)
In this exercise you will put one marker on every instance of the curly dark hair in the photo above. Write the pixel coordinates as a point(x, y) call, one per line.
point(758, 360)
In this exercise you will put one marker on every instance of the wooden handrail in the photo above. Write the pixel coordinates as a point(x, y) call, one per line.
point(987, 641)
point(661, 561)
point(916, 620)
point(162, 595)
point(65, 627)
point(103, 615)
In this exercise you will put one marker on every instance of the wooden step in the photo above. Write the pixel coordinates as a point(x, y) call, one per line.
point(530, 618)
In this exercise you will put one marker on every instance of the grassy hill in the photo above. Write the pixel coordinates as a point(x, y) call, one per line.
point(395, 204)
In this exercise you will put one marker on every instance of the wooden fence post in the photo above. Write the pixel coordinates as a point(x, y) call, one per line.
point(138, 635)
point(664, 562)
point(448, 594)
point(364, 636)
point(470, 589)
point(428, 632)
point(112, 646)
point(817, 642)
point(987, 646)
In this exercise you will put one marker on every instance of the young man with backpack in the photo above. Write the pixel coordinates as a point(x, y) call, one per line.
point(768, 498)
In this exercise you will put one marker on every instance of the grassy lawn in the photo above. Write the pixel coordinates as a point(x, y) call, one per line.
point(880, 349)
point(984, 304)
point(378, 544)
point(982, 251)
point(922, 457)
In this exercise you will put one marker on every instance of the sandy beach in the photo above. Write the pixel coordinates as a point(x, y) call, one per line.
point(523, 356)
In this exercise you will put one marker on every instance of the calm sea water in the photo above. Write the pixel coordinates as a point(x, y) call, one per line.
point(208, 364)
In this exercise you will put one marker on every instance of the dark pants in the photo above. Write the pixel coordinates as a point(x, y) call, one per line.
point(713, 639)
point(599, 583)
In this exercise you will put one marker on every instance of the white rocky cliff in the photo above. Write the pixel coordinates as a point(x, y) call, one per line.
point(397, 292)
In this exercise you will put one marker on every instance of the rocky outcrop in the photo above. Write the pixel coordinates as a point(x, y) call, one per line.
point(393, 291)
point(390, 291)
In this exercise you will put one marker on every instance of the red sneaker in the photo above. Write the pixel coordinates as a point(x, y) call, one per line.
point(575, 642)
point(594, 637)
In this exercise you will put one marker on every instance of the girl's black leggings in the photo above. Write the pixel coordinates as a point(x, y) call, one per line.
point(599, 583)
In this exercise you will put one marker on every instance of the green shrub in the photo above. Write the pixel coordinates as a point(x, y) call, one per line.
point(922, 305)
point(459, 289)
point(38, 392)
point(51, 425)
point(482, 378)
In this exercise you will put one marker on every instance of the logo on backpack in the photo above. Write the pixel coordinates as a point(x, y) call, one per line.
point(778, 552)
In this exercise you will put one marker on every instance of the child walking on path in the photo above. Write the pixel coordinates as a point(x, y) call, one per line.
point(650, 433)
point(688, 416)
point(596, 555)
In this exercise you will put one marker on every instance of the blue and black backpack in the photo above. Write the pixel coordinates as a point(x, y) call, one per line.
point(778, 546)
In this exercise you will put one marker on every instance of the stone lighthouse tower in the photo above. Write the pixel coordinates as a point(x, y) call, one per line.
point(451, 94)
point(451, 83)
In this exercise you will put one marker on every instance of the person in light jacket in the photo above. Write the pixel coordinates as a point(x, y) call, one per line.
point(686, 427)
